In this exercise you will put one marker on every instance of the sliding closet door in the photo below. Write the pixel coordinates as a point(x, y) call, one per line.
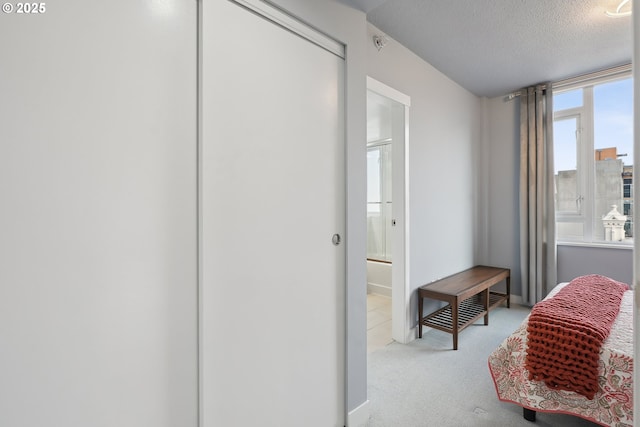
point(272, 200)
point(98, 217)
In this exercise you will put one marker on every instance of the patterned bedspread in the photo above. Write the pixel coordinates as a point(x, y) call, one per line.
point(611, 406)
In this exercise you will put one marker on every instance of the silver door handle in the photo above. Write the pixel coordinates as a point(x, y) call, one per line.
point(336, 239)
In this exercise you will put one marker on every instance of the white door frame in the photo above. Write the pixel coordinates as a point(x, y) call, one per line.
point(401, 330)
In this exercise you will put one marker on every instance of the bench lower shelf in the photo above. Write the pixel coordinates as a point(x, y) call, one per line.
point(469, 311)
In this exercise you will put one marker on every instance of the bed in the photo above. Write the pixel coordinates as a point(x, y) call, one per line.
point(612, 402)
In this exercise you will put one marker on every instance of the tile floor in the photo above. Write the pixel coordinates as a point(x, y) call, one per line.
point(378, 322)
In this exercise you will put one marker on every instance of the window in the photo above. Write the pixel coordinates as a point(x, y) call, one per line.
point(379, 201)
point(627, 190)
point(593, 156)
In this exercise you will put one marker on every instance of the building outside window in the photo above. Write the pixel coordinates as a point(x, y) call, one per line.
point(593, 156)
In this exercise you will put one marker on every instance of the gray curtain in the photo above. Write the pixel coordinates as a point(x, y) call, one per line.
point(537, 207)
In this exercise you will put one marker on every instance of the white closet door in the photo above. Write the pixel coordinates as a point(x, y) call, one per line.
point(273, 321)
point(98, 216)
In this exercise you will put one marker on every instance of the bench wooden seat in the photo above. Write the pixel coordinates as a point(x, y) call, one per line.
point(468, 296)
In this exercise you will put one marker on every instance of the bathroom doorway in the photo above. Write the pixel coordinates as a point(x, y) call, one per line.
point(388, 316)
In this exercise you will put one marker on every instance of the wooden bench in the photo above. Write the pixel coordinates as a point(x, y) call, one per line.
point(468, 296)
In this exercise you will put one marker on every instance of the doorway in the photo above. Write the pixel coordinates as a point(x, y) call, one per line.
point(388, 314)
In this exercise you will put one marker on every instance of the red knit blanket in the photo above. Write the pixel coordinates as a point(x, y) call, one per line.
point(566, 332)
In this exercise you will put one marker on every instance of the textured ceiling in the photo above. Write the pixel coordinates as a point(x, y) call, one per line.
point(492, 47)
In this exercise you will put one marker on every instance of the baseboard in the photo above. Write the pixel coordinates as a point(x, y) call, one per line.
point(412, 334)
point(516, 299)
point(374, 288)
point(359, 416)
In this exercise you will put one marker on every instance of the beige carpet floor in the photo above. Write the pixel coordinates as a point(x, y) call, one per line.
point(426, 383)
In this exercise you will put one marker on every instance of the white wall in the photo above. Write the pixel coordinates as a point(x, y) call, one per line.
point(98, 279)
point(499, 188)
point(574, 261)
point(379, 278)
point(445, 132)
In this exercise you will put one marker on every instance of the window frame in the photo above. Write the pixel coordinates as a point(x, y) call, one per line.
point(586, 163)
point(384, 191)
